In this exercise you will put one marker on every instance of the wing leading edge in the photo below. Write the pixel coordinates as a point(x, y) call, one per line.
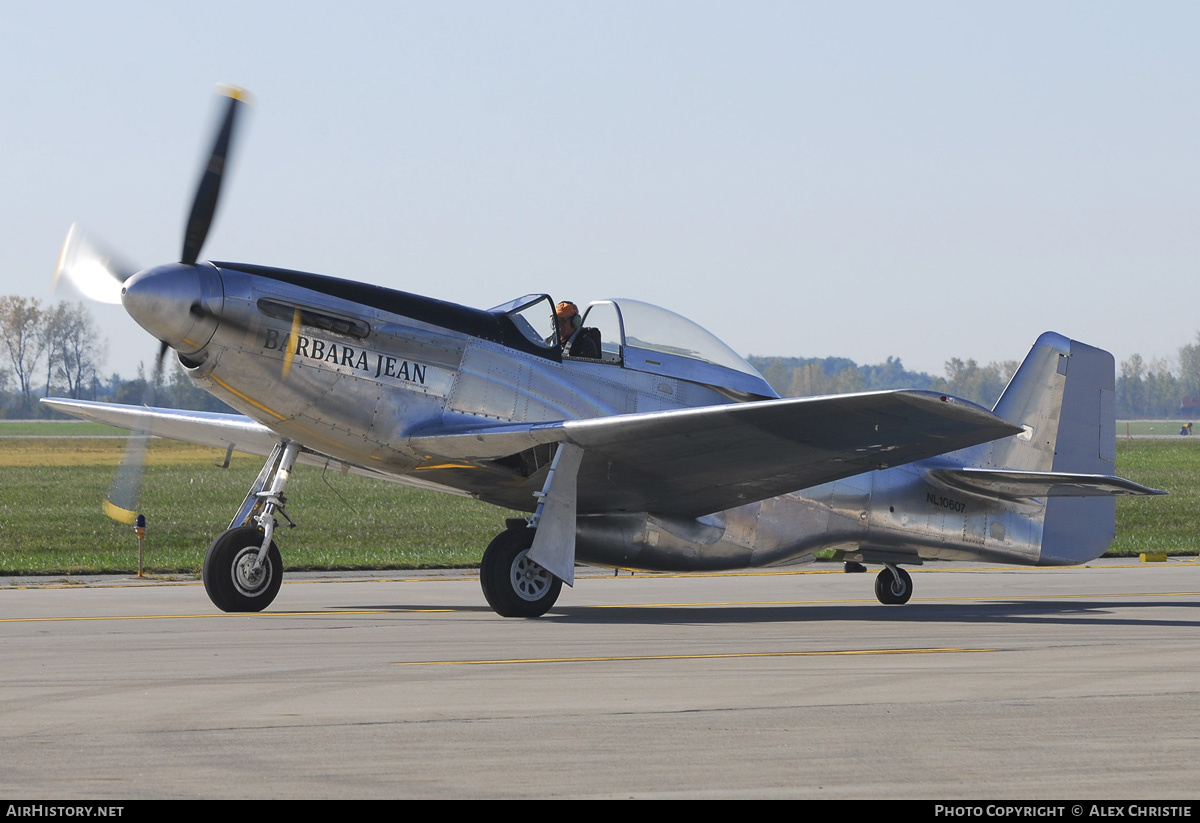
point(204, 428)
point(221, 431)
point(692, 462)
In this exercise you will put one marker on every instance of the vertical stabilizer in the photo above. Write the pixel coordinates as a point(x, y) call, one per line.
point(1063, 396)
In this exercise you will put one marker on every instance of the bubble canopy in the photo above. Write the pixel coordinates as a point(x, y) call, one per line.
point(643, 337)
point(659, 341)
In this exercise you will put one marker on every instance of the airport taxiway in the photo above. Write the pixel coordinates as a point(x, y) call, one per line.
point(993, 682)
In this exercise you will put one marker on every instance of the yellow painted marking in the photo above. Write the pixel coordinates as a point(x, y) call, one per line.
point(837, 569)
point(730, 656)
point(236, 92)
point(213, 614)
point(119, 514)
point(292, 345)
point(958, 599)
point(143, 582)
point(1052, 597)
point(729, 603)
point(249, 400)
point(712, 604)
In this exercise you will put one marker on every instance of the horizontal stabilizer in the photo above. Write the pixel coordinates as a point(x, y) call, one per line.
point(1020, 484)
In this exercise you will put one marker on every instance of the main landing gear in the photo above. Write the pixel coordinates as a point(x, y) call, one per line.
point(514, 585)
point(893, 586)
point(242, 568)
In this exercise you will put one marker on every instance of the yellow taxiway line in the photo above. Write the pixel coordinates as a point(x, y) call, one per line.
point(729, 656)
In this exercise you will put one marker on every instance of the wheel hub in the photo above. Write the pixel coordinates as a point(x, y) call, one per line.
point(247, 579)
point(530, 581)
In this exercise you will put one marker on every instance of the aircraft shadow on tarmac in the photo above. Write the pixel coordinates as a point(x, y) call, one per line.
point(1082, 612)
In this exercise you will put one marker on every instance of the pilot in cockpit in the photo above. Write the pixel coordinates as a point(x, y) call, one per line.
point(574, 340)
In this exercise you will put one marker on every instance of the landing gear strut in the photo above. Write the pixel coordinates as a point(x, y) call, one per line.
point(514, 585)
point(893, 586)
point(242, 568)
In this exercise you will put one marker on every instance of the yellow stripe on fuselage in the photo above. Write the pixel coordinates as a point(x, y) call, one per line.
point(249, 400)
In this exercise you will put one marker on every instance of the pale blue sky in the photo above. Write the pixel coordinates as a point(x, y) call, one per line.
point(922, 180)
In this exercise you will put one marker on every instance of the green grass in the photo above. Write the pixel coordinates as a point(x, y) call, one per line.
point(1159, 524)
point(1138, 428)
point(51, 489)
point(57, 428)
point(50, 517)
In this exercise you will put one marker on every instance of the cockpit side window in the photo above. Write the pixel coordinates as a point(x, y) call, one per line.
point(604, 316)
point(533, 315)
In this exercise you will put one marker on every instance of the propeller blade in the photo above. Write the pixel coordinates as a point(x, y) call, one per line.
point(98, 275)
point(152, 389)
point(123, 496)
point(121, 504)
point(204, 206)
point(92, 271)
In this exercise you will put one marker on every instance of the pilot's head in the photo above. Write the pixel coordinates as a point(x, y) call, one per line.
point(567, 315)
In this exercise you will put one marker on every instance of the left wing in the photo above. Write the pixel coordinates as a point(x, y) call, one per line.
point(204, 428)
point(222, 431)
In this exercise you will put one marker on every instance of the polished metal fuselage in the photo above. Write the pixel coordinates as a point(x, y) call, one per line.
point(893, 515)
point(356, 381)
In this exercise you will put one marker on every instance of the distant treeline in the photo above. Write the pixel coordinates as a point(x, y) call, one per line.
point(1143, 389)
point(177, 391)
point(812, 376)
point(56, 350)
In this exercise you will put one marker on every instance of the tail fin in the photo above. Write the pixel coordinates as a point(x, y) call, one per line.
point(1063, 397)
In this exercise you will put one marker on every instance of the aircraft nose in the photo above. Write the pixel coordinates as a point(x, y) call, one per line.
point(177, 303)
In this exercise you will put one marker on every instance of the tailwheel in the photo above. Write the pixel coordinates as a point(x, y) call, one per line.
point(893, 586)
point(233, 578)
point(514, 585)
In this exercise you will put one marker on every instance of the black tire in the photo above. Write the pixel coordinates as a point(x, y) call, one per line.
point(514, 585)
point(227, 576)
point(893, 590)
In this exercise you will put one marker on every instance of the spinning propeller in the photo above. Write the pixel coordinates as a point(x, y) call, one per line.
point(101, 276)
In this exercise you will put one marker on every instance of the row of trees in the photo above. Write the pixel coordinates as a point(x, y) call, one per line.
point(1151, 389)
point(49, 349)
point(812, 376)
point(1143, 389)
point(57, 350)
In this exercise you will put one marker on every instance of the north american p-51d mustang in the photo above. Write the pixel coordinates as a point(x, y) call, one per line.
point(664, 450)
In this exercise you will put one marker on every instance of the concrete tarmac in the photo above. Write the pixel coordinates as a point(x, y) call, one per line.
point(994, 682)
